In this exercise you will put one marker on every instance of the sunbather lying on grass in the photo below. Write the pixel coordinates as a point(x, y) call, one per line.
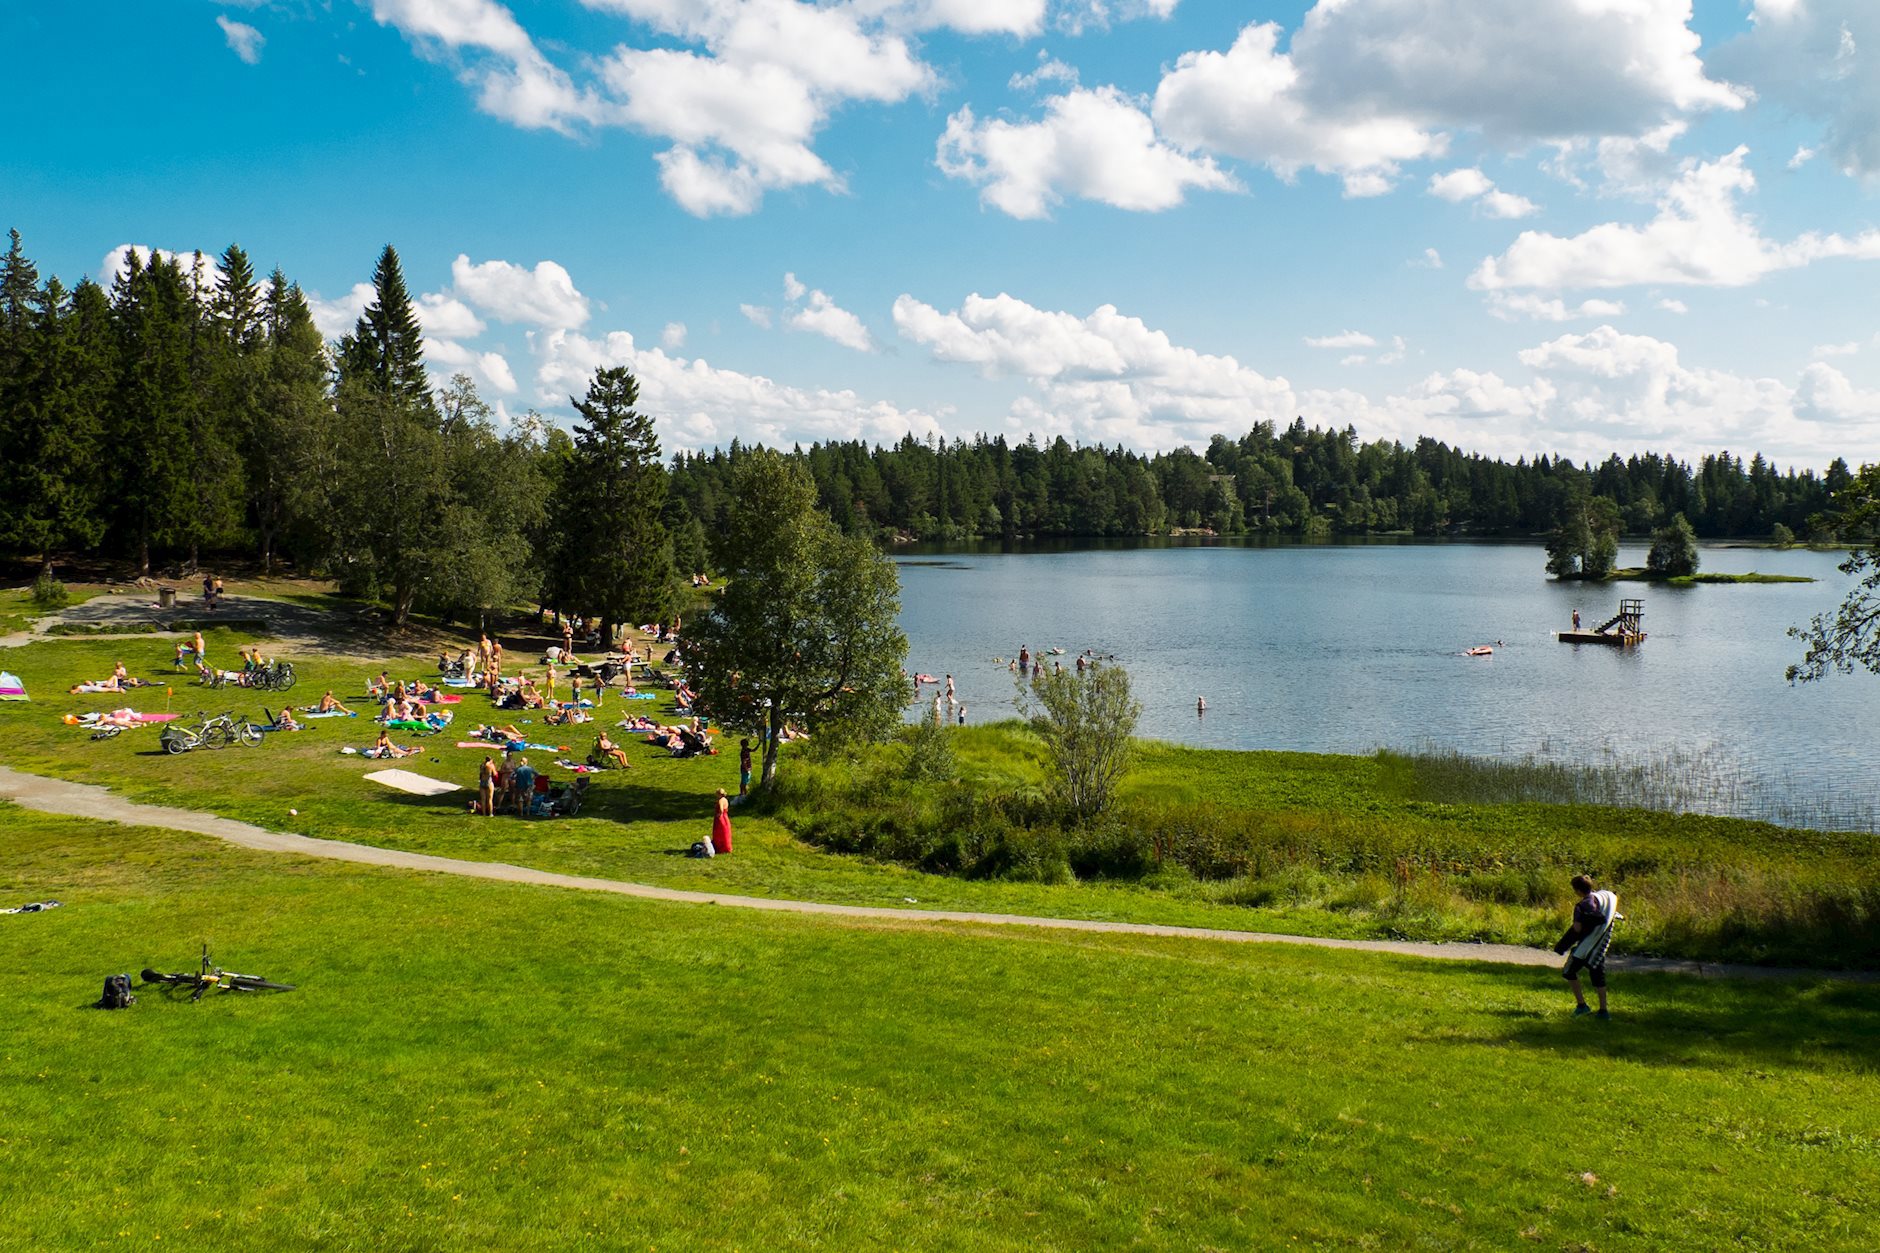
point(386, 749)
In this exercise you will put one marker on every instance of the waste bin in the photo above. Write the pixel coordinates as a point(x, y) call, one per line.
point(166, 598)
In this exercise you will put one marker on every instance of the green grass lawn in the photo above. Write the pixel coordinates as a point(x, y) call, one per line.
point(481, 1065)
point(1343, 846)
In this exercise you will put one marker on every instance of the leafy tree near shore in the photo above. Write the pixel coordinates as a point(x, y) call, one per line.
point(1586, 543)
point(1086, 721)
point(1674, 549)
point(1849, 638)
point(805, 631)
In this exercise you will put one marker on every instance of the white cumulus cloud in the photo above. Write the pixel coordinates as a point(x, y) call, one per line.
point(1699, 237)
point(1095, 144)
point(1470, 183)
point(1513, 307)
point(1816, 59)
point(699, 405)
point(544, 296)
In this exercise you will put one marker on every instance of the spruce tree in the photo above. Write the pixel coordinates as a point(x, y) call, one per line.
point(53, 493)
point(393, 483)
point(294, 446)
point(155, 313)
point(615, 559)
point(385, 352)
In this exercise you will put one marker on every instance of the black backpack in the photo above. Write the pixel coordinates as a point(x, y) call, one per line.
point(117, 993)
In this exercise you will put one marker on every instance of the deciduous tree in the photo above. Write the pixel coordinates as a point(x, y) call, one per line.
point(805, 631)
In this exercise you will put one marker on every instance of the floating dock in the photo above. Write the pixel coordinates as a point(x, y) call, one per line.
point(1622, 630)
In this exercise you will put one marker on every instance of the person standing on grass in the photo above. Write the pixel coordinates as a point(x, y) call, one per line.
point(744, 766)
point(721, 825)
point(486, 787)
point(1586, 941)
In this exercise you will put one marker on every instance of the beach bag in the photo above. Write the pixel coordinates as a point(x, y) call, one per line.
point(117, 993)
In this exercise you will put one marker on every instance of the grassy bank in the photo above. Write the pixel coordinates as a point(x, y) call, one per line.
point(1355, 847)
point(1639, 574)
point(478, 1065)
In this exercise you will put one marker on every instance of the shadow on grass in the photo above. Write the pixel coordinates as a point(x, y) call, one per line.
point(1715, 1025)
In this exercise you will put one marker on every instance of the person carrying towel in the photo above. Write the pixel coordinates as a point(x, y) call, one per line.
point(1586, 941)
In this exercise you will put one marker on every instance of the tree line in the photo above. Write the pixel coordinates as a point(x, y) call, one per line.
point(1303, 481)
point(193, 408)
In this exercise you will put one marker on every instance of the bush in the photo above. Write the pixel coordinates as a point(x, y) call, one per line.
point(930, 757)
point(1781, 536)
point(48, 592)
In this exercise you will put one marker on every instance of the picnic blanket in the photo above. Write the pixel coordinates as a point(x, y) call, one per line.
point(11, 688)
point(415, 784)
point(330, 714)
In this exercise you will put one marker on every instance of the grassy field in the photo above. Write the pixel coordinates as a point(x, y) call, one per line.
point(1360, 847)
point(478, 1065)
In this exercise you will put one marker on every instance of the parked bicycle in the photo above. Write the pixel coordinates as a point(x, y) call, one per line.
point(216, 732)
point(276, 676)
point(212, 976)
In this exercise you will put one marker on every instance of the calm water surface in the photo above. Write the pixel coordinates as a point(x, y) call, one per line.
point(1347, 649)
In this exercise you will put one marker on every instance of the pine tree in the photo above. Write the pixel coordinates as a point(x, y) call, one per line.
point(615, 560)
point(155, 312)
point(394, 480)
point(53, 494)
point(385, 352)
point(293, 449)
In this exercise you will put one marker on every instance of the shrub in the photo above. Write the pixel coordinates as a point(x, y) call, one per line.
point(48, 592)
point(930, 756)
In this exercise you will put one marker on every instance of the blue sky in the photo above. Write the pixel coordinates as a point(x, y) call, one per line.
point(1519, 225)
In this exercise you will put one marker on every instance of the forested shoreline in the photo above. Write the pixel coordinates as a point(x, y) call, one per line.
point(194, 408)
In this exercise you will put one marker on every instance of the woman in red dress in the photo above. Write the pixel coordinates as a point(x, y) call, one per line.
point(721, 826)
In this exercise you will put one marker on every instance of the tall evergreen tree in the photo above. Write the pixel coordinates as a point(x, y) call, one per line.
point(53, 493)
point(394, 482)
point(154, 309)
point(615, 559)
point(385, 352)
point(293, 450)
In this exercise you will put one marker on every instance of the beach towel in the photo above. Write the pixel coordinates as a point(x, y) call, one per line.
point(158, 717)
point(97, 687)
point(1593, 946)
point(330, 714)
point(446, 698)
point(414, 784)
point(458, 683)
point(638, 696)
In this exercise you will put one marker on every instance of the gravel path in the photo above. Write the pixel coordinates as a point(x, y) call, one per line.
point(86, 800)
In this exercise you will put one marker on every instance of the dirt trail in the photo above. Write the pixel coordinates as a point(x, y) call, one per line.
point(85, 800)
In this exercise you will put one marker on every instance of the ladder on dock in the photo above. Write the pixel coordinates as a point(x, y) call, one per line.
point(1627, 619)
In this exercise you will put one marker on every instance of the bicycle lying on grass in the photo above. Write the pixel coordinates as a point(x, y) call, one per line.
point(213, 976)
point(218, 732)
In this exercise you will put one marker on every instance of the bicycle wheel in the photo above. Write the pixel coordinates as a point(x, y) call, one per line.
point(218, 736)
point(248, 734)
point(254, 983)
point(285, 679)
point(175, 744)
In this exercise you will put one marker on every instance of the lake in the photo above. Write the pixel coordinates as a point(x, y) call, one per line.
point(1347, 648)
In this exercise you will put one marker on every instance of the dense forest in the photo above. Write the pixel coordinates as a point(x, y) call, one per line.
point(1300, 481)
point(193, 408)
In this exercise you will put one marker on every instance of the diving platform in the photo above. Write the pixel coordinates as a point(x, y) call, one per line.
point(1621, 630)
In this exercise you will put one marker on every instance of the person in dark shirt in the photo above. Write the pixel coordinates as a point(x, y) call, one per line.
point(1586, 941)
